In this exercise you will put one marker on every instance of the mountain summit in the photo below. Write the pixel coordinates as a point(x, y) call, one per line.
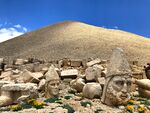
point(71, 39)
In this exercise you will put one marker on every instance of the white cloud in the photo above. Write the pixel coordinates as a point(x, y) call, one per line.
point(7, 33)
point(18, 26)
point(116, 27)
point(25, 29)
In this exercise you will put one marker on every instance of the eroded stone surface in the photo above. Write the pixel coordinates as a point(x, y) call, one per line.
point(143, 87)
point(52, 83)
point(118, 80)
point(69, 73)
point(93, 62)
point(92, 90)
point(78, 84)
point(19, 87)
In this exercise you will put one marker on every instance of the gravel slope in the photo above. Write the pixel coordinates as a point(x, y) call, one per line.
point(73, 39)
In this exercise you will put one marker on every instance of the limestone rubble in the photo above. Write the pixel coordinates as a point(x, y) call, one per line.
point(27, 78)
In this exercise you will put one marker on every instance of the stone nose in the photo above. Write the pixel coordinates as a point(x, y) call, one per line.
point(124, 89)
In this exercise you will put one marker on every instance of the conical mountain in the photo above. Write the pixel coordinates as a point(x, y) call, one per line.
point(71, 39)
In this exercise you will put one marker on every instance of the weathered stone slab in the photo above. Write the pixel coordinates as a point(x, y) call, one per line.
point(27, 76)
point(76, 62)
point(19, 87)
point(3, 83)
point(69, 73)
point(93, 62)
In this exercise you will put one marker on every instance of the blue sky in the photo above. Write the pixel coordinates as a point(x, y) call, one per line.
point(20, 16)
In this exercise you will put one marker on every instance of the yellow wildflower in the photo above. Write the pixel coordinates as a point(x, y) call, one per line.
point(141, 109)
point(130, 108)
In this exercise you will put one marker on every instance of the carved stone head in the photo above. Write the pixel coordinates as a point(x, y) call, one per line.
point(118, 80)
point(52, 83)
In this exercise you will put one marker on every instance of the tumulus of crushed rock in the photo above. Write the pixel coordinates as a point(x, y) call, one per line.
point(71, 39)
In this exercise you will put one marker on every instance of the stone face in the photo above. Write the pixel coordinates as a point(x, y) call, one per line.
point(118, 80)
point(92, 90)
point(93, 62)
point(52, 83)
point(78, 84)
point(92, 73)
point(69, 73)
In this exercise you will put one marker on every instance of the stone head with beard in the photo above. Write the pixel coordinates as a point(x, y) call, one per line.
point(118, 80)
point(52, 83)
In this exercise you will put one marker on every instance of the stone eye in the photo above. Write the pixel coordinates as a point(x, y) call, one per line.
point(120, 83)
point(129, 83)
point(52, 84)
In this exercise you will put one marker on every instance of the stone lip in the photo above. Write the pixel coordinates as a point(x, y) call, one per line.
point(19, 87)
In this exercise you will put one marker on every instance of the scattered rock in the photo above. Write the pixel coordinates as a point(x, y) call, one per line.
point(78, 84)
point(76, 62)
point(69, 73)
point(92, 90)
point(93, 62)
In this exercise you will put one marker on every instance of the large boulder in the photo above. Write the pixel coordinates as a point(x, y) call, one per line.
point(143, 87)
point(10, 93)
point(92, 90)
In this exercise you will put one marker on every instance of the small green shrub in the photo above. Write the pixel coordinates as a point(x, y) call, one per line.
point(147, 102)
point(85, 103)
point(26, 105)
point(68, 97)
point(53, 100)
point(69, 108)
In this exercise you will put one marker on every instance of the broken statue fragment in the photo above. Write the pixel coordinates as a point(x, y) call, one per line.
point(52, 83)
point(118, 80)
